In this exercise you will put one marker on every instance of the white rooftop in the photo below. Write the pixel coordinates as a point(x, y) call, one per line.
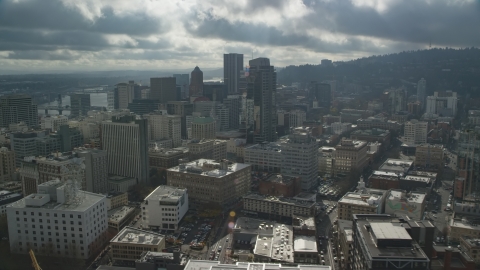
point(303, 243)
point(386, 230)
point(129, 235)
point(166, 193)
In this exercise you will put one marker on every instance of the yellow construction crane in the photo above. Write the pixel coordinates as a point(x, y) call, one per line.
point(34, 260)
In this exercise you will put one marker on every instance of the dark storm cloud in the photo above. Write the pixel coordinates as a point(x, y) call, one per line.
point(53, 15)
point(43, 55)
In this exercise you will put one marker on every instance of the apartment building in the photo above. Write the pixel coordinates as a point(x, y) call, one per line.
point(415, 132)
point(164, 208)
point(208, 181)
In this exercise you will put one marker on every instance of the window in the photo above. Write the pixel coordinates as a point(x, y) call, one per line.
point(63, 215)
point(55, 215)
point(64, 228)
point(79, 216)
point(71, 216)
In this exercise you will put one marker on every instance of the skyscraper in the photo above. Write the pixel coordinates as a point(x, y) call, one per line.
point(163, 89)
point(262, 81)
point(17, 108)
point(196, 82)
point(125, 94)
point(183, 80)
point(126, 141)
point(80, 105)
point(421, 91)
point(232, 65)
point(322, 93)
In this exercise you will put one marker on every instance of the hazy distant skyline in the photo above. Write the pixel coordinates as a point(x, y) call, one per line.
point(88, 35)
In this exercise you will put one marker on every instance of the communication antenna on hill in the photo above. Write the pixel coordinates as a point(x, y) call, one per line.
point(430, 43)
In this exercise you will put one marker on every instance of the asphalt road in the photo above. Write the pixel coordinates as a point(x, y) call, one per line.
point(325, 228)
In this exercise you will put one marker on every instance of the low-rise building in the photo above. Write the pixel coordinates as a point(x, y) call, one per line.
point(164, 208)
point(216, 265)
point(280, 185)
point(382, 136)
point(162, 159)
point(429, 157)
point(118, 183)
point(350, 155)
point(326, 160)
point(345, 243)
point(414, 182)
point(399, 166)
point(305, 249)
point(208, 181)
point(120, 217)
point(462, 226)
point(150, 260)
point(116, 199)
point(277, 207)
point(400, 203)
point(207, 148)
point(363, 201)
point(384, 180)
point(472, 247)
point(130, 243)
point(379, 122)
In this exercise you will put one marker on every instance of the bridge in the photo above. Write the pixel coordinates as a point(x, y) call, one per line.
point(60, 109)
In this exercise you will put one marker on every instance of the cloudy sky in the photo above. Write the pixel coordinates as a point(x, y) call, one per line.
point(164, 34)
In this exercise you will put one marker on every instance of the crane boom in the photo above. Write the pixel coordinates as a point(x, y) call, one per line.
point(34, 260)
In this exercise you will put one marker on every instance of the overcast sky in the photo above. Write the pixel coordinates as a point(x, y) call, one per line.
point(165, 34)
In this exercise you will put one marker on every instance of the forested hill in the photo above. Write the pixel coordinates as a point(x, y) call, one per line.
point(444, 69)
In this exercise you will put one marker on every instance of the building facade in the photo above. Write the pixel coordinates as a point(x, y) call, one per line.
point(163, 89)
point(18, 108)
point(415, 132)
point(350, 155)
point(80, 105)
point(165, 207)
point(232, 65)
point(129, 244)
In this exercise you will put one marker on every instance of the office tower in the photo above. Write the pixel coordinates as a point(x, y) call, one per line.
point(126, 141)
point(415, 132)
point(96, 169)
point(321, 93)
point(24, 144)
point(299, 157)
point(442, 103)
point(80, 105)
point(68, 138)
point(421, 91)
point(184, 109)
point(183, 80)
point(18, 108)
point(234, 105)
point(144, 106)
point(112, 99)
point(208, 181)
point(395, 100)
point(203, 128)
point(53, 122)
point(232, 65)
point(80, 228)
point(196, 82)
point(162, 127)
point(125, 93)
point(261, 88)
point(7, 165)
point(163, 89)
point(215, 92)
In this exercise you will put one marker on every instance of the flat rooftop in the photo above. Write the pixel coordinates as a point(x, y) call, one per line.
point(86, 200)
point(271, 146)
point(120, 213)
point(278, 246)
point(399, 195)
point(216, 265)
point(130, 235)
point(372, 200)
point(208, 167)
point(166, 194)
point(396, 165)
point(282, 200)
point(253, 225)
point(303, 243)
point(415, 178)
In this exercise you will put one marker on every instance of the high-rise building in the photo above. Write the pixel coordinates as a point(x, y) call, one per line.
point(79, 104)
point(7, 165)
point(125, 93)
point(143, 106)
point(24, 144)
point(232, 65)
point(395, 100)
point(126, 141)
point(18, 108)
point(215, 91)
point(183, 80)
point(163, 89)
point(321, 93)
point(442, 103)
point(421, 91)
point(261, 88)
point(184, 109)
point(196, 82)
point(80, 228)
point(68, 138)
point(96, 169)
point(234, 105)
point(164, 127)
point(203, 128)
point(299, 157)
point(415, 132)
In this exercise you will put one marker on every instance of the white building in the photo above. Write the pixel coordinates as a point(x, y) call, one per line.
point(415, 132)
point(412, 204)
point(165, 207)
point(59, 220)
point(53, 123)
point(265, 156)
point(442, 103)
point(299, 157)
point(339, 127)
point(162, 126)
